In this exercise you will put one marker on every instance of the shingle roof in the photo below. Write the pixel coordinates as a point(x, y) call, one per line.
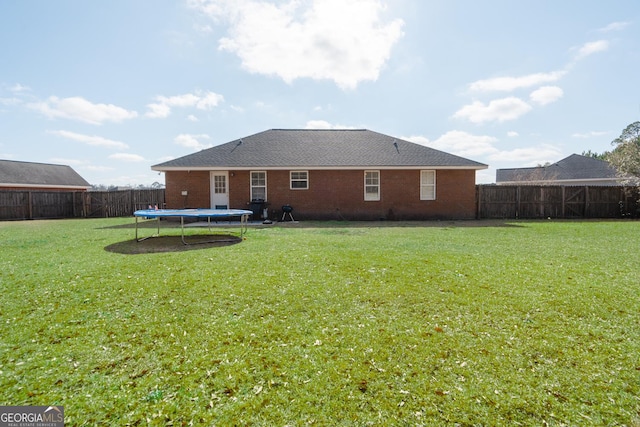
point(574, 167)
point(28, 174)
point(282, 148)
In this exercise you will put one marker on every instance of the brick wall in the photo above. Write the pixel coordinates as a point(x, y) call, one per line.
point(338, 194)
point(196, 183)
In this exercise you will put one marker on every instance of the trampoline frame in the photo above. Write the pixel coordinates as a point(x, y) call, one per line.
point(192, 213)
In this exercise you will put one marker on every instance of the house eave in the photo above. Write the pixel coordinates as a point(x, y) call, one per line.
point(268, 168)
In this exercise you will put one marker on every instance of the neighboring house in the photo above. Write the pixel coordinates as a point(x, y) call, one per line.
point(16, 175)
point(573, 170)
point(325, 174)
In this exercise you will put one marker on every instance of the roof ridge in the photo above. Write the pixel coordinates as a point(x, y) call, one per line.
point(313, 130)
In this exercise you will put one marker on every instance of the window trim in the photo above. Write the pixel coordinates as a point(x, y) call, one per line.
point(424, 195)
point(257, 186)
point(305, 180)
point(368, 196)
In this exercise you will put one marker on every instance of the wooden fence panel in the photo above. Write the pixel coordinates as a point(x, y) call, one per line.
point(47, 204)
point(108, 204)
point(74, 204)
point(533, 201)
point(497, 201)
point(540, 202)
point(14, 205)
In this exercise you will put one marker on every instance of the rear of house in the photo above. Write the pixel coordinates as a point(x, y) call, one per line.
point(325, 174)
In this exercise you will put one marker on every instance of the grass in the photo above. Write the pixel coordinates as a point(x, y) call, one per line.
point(461, 324)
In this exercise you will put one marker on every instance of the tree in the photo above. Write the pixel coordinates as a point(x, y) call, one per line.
point(625, 157)
point(595, 155)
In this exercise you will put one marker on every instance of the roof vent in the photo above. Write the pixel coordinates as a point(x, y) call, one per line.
point(237, 145)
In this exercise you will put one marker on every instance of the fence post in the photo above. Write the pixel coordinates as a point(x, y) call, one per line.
point(479, 202)
point(29, 205)
point(586, 201)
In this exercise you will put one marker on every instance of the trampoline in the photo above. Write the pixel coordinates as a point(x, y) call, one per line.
point(192, 213)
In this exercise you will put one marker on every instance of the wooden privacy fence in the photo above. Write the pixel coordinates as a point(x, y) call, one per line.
point(76, 204)
point(492, 201)
point(529, 201)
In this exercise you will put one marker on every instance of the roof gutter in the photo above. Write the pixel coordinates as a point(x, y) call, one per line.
point(561, 181)
point(299, 167)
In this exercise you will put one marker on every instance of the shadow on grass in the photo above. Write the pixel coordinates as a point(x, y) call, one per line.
point(389, 224)
point(471, 223)
point(163, 244)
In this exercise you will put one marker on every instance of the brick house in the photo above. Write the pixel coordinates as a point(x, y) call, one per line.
point(325, 174)
point(15, 175)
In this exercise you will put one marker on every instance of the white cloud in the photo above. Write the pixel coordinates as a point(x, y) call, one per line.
point(192, 118)
point(93, 140)
point(459, 143)
point(508, 84)
point(512, 108)
point(529, 156)
point(208, 101)
point(592, 134)
point(18, 88)
point(126, 157)
point(614, 26)
point(499, 110)
point(158, 111)
point(546, 95)
point(512, 134)
point(66, 161)
point(590, 48)
point(344, 41)
point(94, 168)
point(322, 124)
point(78, 108)
point(192, 141)
point(202, 101)
point(418, 139)
point(10, 101)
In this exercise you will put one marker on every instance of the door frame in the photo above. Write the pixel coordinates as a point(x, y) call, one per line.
point(219, 199)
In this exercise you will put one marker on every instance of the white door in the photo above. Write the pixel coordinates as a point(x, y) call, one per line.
point(219, 190)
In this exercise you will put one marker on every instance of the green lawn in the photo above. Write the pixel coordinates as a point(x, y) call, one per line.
point(469, 323)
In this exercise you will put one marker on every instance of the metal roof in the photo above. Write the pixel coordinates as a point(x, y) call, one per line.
point(331, 149)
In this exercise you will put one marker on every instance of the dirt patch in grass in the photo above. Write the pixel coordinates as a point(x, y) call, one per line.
point(172, 244)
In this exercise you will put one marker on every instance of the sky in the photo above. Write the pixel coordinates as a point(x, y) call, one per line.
point(112, 87)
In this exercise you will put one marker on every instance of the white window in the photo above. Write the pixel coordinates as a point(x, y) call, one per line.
point(299, 180)
point(371, 185)
point(427, 185)
point(258, 185)
point(220, 184)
